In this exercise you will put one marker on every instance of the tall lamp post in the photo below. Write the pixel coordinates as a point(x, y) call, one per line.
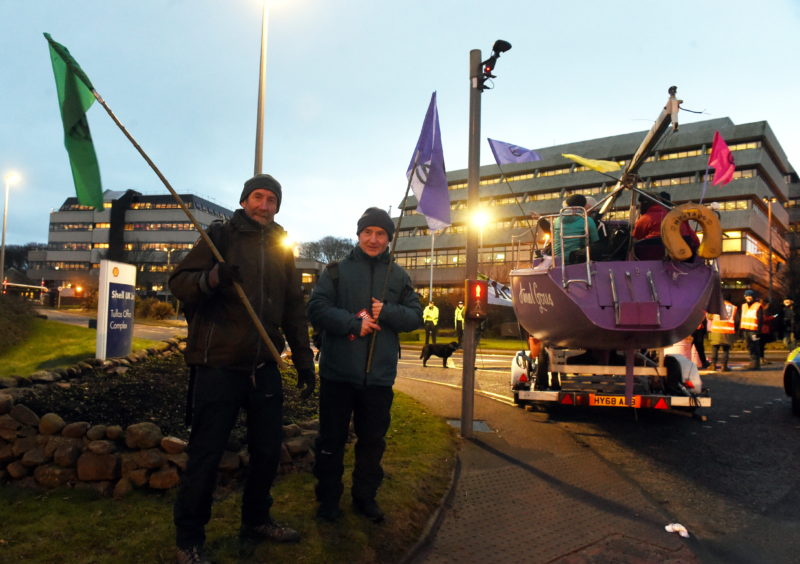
point(9, 180)
point(769, 202)
point(480, 72)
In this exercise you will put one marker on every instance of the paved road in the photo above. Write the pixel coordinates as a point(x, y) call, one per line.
point(141, 331)
point(731, 480)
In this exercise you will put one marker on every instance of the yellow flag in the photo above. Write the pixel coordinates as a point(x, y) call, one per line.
point(594, 164)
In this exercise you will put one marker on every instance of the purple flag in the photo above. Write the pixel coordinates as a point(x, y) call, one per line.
point(427, 173)
point(506, 153)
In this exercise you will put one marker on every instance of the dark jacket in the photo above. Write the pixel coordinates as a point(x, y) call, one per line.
point(337, 299)
point(221, 332)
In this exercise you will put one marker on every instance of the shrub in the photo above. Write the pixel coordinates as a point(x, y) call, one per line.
point(161, 310)
point(15, 321)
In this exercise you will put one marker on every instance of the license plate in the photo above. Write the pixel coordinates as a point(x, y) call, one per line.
point(614, 401)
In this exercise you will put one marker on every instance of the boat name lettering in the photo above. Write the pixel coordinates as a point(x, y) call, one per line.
point(531, 296)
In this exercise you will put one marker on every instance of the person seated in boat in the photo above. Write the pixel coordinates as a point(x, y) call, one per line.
point(573, 225)
point(647, 229)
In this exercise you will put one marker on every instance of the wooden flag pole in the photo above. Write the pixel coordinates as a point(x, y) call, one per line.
point(371, 353)
point(217, 255)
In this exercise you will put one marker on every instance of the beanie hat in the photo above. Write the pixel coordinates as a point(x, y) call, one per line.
point(576, 200)
point(264, 181)
point(376, 217)
point(749, 293)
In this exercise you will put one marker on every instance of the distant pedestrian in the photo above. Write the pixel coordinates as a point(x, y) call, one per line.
point(430, 317)
point(722, 334)
point(750, 319)
point(698, 340)
point(789, 324)
point(459, 321)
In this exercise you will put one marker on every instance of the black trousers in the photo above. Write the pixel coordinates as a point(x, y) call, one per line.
point(460, 331)
point(369, 407)
point(218, 396)
point(430, 332)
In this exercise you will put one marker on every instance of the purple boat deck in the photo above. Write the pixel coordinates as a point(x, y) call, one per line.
point(614, 305)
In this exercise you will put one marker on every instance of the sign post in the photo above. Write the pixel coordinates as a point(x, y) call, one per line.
point(115, 303)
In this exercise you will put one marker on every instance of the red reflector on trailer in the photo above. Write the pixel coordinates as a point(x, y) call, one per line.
point(523, 378)
point(566, 399)
point(688, 384)
point(661, 404)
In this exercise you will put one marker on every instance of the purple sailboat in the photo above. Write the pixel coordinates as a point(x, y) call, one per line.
point(595, 319)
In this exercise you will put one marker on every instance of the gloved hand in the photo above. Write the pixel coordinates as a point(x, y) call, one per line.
point(223, 275)
point(307, 380)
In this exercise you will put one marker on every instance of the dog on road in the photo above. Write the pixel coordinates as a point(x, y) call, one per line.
point(443, 351)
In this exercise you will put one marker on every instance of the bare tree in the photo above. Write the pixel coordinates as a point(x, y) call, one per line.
point(17, 255)
point(327, 249)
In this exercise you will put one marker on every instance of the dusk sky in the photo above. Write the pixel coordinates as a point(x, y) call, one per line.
point(348, 84)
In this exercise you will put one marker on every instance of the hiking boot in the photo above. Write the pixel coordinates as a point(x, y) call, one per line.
point(192, 555)
point(329, 511)
point(753, 366)
point(369, 509)
point(269, 531)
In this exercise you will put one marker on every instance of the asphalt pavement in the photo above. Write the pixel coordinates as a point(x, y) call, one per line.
point(525, 490)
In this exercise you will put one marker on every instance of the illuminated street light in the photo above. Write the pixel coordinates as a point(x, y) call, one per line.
point(480, 219)
point(9, 179)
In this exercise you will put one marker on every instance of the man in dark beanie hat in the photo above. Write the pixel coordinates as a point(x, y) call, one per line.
point(231, 368)
point(378, 218)
point(363, 296)
point(266, 182)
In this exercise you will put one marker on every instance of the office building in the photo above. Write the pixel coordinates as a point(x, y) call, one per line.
point(758, 209)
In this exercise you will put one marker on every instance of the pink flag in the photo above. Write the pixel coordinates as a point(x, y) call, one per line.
point(722, 161)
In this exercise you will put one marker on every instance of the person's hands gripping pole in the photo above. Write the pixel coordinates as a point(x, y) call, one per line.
point(223, 275)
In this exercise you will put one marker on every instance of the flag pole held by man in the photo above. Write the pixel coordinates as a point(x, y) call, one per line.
point(70, 66)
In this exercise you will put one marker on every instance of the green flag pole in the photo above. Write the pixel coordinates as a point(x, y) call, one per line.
point(79, 74)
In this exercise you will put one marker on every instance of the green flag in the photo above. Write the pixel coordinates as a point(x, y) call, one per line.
point(74, 98)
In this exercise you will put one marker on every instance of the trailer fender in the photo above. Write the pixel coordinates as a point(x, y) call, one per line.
point(710, 248)
point(682, 373)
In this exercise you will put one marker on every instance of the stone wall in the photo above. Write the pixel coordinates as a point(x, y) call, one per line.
point(47, 452)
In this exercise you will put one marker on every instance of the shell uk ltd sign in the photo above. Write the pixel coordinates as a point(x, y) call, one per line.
point(115, 305)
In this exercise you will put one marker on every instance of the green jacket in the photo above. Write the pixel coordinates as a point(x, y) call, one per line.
point(342, 292)
point(221, 332)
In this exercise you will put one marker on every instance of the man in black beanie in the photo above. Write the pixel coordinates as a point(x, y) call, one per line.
point(364, 296)
point(231, 368)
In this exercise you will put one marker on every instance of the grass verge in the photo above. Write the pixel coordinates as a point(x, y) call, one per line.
point(77, 526)
point(52, 345)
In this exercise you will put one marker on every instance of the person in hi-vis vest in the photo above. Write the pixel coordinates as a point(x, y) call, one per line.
point(722, 334)
point(459, 321)
point(430, 317)
point(750, 320)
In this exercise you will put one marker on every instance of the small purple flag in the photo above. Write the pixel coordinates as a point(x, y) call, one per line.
point(506, 153)
point(427, 173)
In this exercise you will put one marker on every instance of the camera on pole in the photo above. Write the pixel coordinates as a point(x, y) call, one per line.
point(488, 65)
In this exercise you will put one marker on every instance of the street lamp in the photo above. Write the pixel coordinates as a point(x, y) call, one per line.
point(769, 202)
point(9, 179)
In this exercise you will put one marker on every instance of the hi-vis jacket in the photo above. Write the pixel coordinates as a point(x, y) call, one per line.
point(459, 315)
point(725, 323)
point(750, 316)
point(430, 313)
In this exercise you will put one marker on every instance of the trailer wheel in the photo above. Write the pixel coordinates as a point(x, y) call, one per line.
point(518, 402)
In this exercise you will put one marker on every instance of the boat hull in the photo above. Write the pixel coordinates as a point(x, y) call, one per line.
point(626, 305)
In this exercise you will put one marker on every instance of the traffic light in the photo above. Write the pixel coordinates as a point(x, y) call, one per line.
point(477, 302)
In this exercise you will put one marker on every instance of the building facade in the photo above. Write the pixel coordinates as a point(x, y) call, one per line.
point(151, 232)
point(758, 209)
